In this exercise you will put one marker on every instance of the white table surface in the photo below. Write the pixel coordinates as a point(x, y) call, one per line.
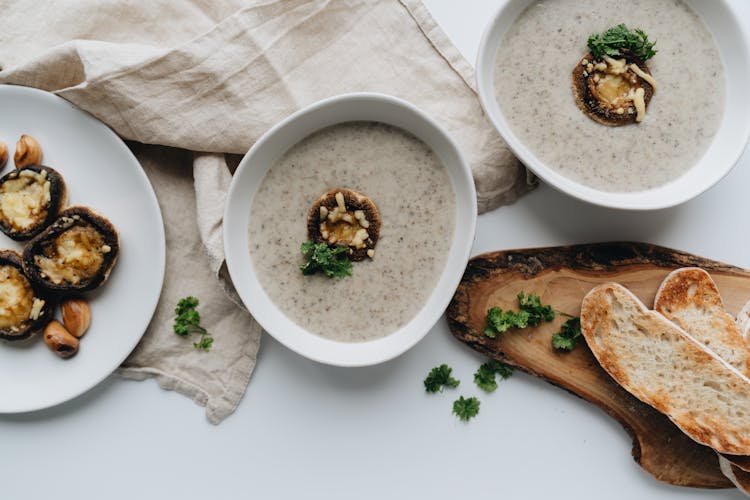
point(305, 430)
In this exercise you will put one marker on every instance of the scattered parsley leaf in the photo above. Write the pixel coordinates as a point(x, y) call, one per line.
point(567, 338)
point(187, 320)
point(531, 313)
point(485, 375)
point(333, 262)
point(204, 343)
point(618, 41)
point(532, 304)
point(499, 321)
point(466, 408)
point(439, 377)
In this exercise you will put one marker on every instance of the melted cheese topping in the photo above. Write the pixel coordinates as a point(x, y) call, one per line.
point(25, 199)
point(76, 254)
point(16, 297)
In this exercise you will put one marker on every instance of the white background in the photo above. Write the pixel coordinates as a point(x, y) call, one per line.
point(305, 430)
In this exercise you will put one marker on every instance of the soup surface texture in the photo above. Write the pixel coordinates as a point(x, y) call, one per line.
point(417, 205)
point(532, 80)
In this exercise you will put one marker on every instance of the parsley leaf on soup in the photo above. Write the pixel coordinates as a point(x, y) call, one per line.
point(333, 262)
point(618, 41)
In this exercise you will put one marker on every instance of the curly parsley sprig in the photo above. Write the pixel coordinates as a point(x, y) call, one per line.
point(440, 377)
point(187, 320)
point(567, 338)
point(531, 313)
point(333, 262)
point(466, 408)
point(619, 41)
point(484, 377)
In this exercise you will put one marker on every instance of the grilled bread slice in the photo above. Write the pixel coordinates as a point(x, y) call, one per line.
point(665, 367)
point(690, 299)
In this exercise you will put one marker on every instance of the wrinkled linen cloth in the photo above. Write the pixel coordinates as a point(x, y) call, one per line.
point(190, 82)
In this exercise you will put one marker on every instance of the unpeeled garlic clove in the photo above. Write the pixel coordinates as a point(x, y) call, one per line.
point(76, 315)
point(28, 152)
point(59, 340)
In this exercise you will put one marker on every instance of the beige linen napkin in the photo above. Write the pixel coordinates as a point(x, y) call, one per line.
point(204, 77)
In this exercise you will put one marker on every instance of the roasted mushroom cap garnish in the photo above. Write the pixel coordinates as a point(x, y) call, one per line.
point(613, 92)
point(612, 84)
point(76, 253)
point(30, 199)
point(345, 218)
point(23, 309)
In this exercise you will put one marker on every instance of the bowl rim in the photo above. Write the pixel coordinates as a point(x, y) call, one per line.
point(651, 199)
point(249, 288)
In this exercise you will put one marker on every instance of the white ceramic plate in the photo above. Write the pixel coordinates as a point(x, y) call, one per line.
point(265, 152)
point(101, 173)
point(722, 155)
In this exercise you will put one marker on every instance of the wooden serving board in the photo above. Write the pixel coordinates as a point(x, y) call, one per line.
point(561, 276)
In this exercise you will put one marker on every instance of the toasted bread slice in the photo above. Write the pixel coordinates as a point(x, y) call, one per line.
point(345, 218)
point(737, 467)
point(690, 299)
point(665, 367)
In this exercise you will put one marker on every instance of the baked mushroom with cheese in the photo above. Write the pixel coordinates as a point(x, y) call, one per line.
point(612, 84)
point(31, 197)
point(74, 254)
point(345, 218)
point(24, 310)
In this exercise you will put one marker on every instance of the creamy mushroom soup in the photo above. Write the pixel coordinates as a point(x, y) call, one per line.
point(417, 205)
point(533, 87)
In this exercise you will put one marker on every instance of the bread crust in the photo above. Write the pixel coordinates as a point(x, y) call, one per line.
point(354, 201)
point(739, 477)
point(592, 107)
point(665, 367)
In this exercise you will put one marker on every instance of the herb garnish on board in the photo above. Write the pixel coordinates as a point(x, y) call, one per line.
point(531, 313)
point(567, 338)
point(619, 41)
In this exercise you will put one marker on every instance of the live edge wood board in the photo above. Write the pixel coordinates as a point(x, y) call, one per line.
point(561, 276)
